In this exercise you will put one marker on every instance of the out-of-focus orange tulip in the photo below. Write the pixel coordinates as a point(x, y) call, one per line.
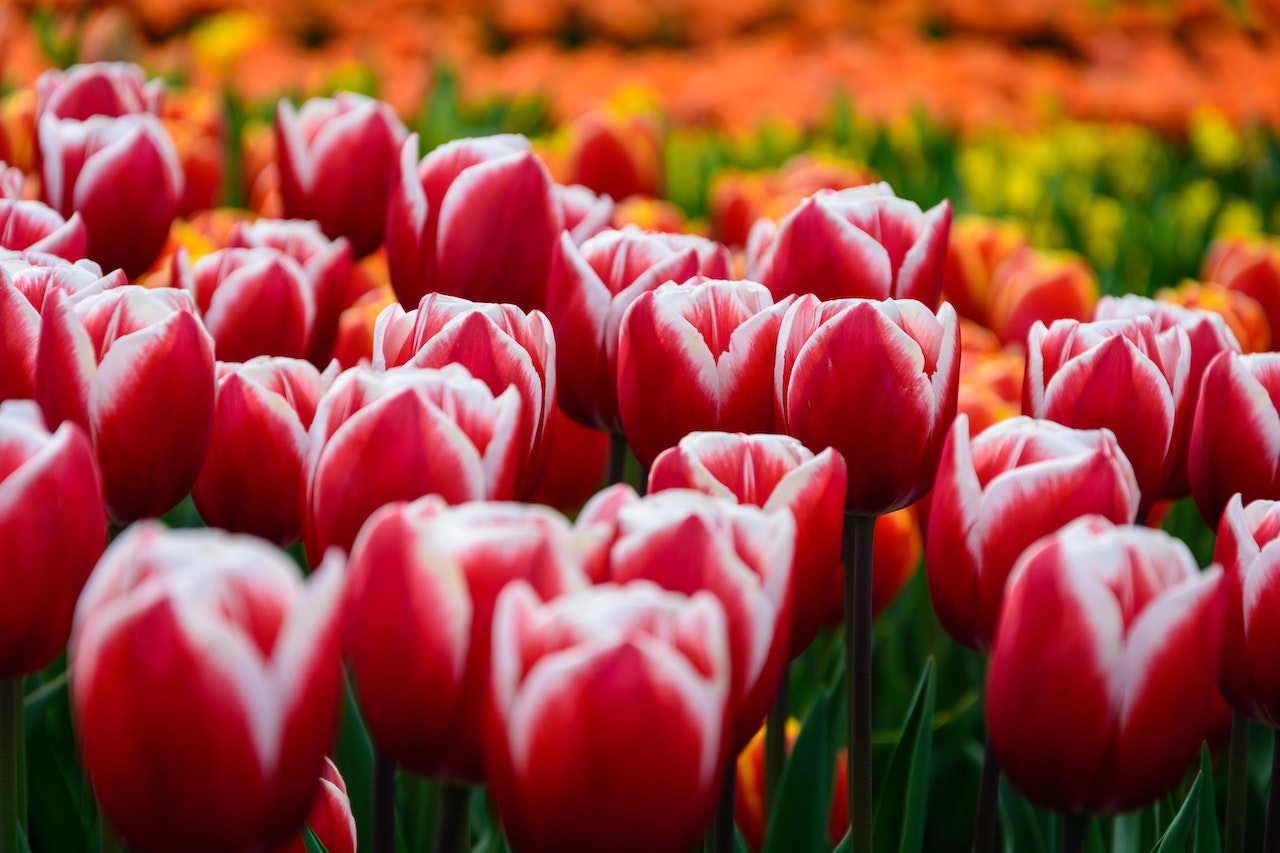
point(194, 120)
point(977, 247)
point(355, 326)
point(615, 150)
point(1038, 285)
point(1248, 264)
point(1243, 314)
point(652, 214)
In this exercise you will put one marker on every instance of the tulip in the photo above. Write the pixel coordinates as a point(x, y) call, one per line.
point(615, 152)
point(498, 344)
point(252, 477)
point(418, 616)
point(613, 697)
point(111, 89)
point(687, 541)
point(875, 380)
point(327, 264)
point(859, 242)
point(585, 213)
point(25, 279)
point(1248, 265)
point(134, 368)
point(382, 437)
point(590, 289)
point(1242, 313)
point(330, 816)
point(1102, 678)
point(206, 679)
point(52, 531)
point(254, 301)
point(1233, 433)
point(477, 218)
point(1207, 334)
point(697, 356)
point(36, 227)
point(978, 246)
point(12, 179)
point(1124, 375)
point(777, 474)
point(996, 494)
point(1034, 286)
point(122, 175)
point(336, 157)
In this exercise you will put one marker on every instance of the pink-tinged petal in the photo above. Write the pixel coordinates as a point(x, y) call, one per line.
point(65, 364)
point(19, 342)
point(264, 307)
point(585, 213)
point(798, 325)
point(952, 559)
point(34, 226)
point(98, 88)
point(151, 415)
point(818, 251)
point(920, 275)
point(498, 223)
point(410, 245)
point(744, 370)
point(1238, 554)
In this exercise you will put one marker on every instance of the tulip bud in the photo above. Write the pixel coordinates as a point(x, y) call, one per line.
point(52, 531)
point(1103, 676)
point(395, 436)
point(778, 474)
point(134, 368)
point(477, 218)
point(419, 610)
point(1248, 549)
point(1248, 265)
point(121, 175)
point(223, 720)
point(336, 157)
point(251, 481)
point(697, 356)
point(687, 541)
point(1233, 445)
point(1124, 375)
point(330, 817)
point(614, 152)
point(616, 697)
point(1001, 491)
point(589, 290)
point(1034, 286)
point(498, 344)
point(36, 227)
point(111, 89)
point(875, 380)
point(859, 242)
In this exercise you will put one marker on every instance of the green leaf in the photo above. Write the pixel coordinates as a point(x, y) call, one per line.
point(1021, 828)
point(799, 822)
point(900, 813)
point(354, 757)
point(1175, 837)
point(739, 843)
point(1126, 833)
point(312, 841)
point(1207, 838)
point(62, 814)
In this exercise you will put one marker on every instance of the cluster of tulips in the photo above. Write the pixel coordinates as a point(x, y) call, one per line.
point(599, 677)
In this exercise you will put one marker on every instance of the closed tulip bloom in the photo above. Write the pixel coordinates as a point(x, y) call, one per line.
point(418, 619)
point(616, 697)
point(1034, 286)
point(687, 541)
point(589, 290)
point(875, 380)
point(336, 158)
point(122, 175)
point(778, 474)
point(327, 264)
point(697, 356)
point(1124, 375)
point(1104, 672)
point(25, 279)
point(1248, 265)
point(860, 242)
point(1249, 550)
point(34, 226)
point(498, 344)
point(476, 218)
point(380, 437)
point(999, 492)
point(52, 530)
point(330, 816)
point(134, 368)
point(252, 477)
point(615, 151)
point(1234, 433)
point(110, 89)
point(254, 302)
point(206, 678)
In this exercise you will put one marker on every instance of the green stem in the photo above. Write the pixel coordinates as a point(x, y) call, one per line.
point(859, 534)
point(617, 458)
point(722, 830)
point(1271, 838)
point(775, 742)
point(1237, 784)
point(453, 820)
point(384, 802)
point(1075, 833)
point(984, 824)
point(10, 780)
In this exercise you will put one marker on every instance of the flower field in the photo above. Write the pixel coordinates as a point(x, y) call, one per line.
point(545, 426)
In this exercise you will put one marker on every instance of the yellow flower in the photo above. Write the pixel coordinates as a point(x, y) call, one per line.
point(220, 40)
point(1215, 143)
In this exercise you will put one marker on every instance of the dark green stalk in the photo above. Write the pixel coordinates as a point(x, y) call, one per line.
point(1237, 784)
point(10, 780)
point(859, 533)
point(984, 824)
point(453, 819)
point(775, 741)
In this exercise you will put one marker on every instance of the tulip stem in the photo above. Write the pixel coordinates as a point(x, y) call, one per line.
point(984, 824)
point(453, 819)
point(859, 539)
point(1237, 784)
point(10, 781)
point(1075, 833)
point(1271, 838)
point(384, 802)
point(617, 458)
point(722, 829)
point(775, 741)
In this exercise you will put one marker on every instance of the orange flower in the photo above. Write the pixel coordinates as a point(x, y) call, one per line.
point(1038, 285)
point(1243, 314)
point(977, 247)
point(1248, 264)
